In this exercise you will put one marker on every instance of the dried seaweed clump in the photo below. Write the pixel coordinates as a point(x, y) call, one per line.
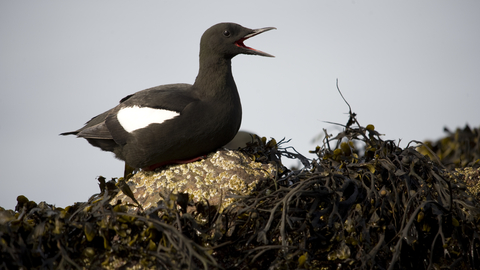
point(458, 149)
point(363, 203)
point(97, 235)
point(387, 208)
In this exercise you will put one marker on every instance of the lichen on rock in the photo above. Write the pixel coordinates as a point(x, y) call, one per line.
point(214, 178)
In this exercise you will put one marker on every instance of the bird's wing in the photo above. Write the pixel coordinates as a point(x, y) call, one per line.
point(98, 131)
point(95, 121)
point(170, 99)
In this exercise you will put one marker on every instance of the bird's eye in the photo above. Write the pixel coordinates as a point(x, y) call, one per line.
point(226, 33)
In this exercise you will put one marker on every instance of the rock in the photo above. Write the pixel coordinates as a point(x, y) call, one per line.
point(471, 178)
point(214, 178)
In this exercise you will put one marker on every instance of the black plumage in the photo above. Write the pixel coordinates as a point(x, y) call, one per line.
point(200, 118)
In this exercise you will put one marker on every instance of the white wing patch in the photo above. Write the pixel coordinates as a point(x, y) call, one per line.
point(135, 117)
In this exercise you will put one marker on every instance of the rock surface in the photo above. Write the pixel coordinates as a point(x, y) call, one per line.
point(471, 177)
point(221, 174)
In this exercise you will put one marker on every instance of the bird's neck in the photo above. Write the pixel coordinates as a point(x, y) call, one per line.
point(215, 77)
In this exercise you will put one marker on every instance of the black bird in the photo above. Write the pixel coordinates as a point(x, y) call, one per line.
point(177, 123)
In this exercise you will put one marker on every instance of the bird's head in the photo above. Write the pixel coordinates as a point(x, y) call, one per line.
point(227, 40)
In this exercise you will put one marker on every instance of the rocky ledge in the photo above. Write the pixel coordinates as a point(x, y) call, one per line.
point(215, 179)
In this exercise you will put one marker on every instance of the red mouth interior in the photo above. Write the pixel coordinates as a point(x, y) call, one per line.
point(240, 44)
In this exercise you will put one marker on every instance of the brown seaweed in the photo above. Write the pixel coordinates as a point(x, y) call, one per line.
point(363, 203)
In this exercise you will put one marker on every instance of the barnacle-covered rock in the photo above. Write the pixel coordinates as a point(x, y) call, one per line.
point(471, 177)
point(221, 174)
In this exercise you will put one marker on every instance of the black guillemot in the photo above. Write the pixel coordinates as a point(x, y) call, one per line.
point(177, 123)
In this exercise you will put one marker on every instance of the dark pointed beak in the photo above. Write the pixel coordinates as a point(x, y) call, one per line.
point(253, 33)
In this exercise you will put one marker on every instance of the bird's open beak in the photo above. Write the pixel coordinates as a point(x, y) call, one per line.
point(253, 33)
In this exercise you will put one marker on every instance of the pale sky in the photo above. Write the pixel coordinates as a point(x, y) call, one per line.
point(408, 67)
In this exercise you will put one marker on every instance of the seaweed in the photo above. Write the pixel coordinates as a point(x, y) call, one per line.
point(363, 203)
point(379, 207)
point(96, 235)
point(458, 149)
